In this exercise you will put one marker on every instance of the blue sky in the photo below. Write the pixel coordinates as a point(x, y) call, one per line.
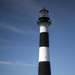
point(19, 36)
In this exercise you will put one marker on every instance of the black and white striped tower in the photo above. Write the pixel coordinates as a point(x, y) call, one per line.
point(44, 58)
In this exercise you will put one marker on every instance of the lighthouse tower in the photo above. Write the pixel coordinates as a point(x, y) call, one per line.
point(44, 58)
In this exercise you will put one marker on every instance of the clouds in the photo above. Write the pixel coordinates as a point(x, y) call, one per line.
point(16, 12)
point(33, 5)
point(12, 28)
point(4, 40)
point(18, 7)
point(16, 63)
point(27, 31)
point(17, 31)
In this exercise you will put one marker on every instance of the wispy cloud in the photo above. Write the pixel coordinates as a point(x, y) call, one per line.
point(16, 63)
point(25, 7)
point(20, 9)
point(12, 28)
point(5, 40)
point(17, 30)
point(33, 5)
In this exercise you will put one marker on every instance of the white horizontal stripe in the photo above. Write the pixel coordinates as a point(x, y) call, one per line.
point(44, 54)
point(43, 28)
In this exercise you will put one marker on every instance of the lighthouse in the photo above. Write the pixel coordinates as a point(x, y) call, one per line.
point(44, 57)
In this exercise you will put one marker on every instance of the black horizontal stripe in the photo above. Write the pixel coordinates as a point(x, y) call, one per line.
point(44, 68)
point(44, 39)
